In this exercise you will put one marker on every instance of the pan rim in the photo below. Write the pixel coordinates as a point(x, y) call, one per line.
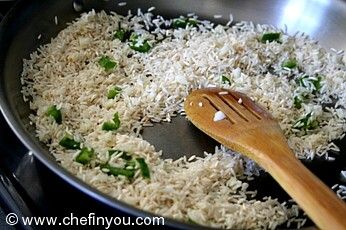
point(46, 158)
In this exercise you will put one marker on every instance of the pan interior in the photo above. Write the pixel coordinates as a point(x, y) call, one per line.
point(179, 136)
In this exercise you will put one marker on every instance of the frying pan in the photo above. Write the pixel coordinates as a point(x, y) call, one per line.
point(322, 19)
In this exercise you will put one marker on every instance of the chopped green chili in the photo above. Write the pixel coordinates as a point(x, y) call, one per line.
point(144, 167)
point(69, 143)
point(270, 37)
point(191, 22)
point(111, 152)
point(143, 48)
point(179, 23)
point(306, 123)
point(115, 171)
point(183, 22)
point(138, 44)
point(316, 82)
point(116, 120)
point(300, 80)
point(112, 125)
point(133, 37)
point(225, 80)
point(122, 34)
point(290, 63)
point(107, 63)
point(299, 99)
point(85, 156)
point(55, 113)
point(297, 102)
point(124, 155)
point(189, 220)
point(109, 126)
point(113, 92)
point(130, 163)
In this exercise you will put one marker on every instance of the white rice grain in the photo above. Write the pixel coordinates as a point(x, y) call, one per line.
point(218, 116)
point(122, 3)
point(217, 16)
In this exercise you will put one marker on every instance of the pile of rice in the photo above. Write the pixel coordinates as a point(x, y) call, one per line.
point(211, 190)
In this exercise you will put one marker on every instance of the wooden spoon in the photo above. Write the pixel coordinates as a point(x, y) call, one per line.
point(249, 129)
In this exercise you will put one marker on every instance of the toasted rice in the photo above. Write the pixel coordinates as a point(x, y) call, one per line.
point(211, 190)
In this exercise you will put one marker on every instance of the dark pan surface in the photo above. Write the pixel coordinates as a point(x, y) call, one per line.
point(322, 19)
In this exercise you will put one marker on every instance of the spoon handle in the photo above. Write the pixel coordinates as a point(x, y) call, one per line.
point(319, 202)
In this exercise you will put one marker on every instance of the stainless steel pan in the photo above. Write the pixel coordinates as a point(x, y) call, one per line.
point(322, 19)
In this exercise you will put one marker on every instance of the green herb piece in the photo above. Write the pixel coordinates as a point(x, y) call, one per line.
point(137, 45)
point(115, 171)
point(192, 22)
point(111, 152)
point(142, 48)
point(183, 22)
point(122, 35)
point(116, 120)
point(52, 111)
point(133, 37)
point(85, 156)
point(113, 92)
point(306, 123)
point(300, 80)
point(179, 23)
point(109, 126)
point(69, 143)
point(290, 63)
point(297, 102)
point(225, 80)
point(124, 155)
point(317, 83)
point(130, 163)
point(189, 220)
point(270, 37)
point(107, 63)
point(112, 125)
point(144, 167)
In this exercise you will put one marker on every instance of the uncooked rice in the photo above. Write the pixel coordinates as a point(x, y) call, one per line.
point(210, 190)
point(217, 16)
point(122, 4)
point(340, 191)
